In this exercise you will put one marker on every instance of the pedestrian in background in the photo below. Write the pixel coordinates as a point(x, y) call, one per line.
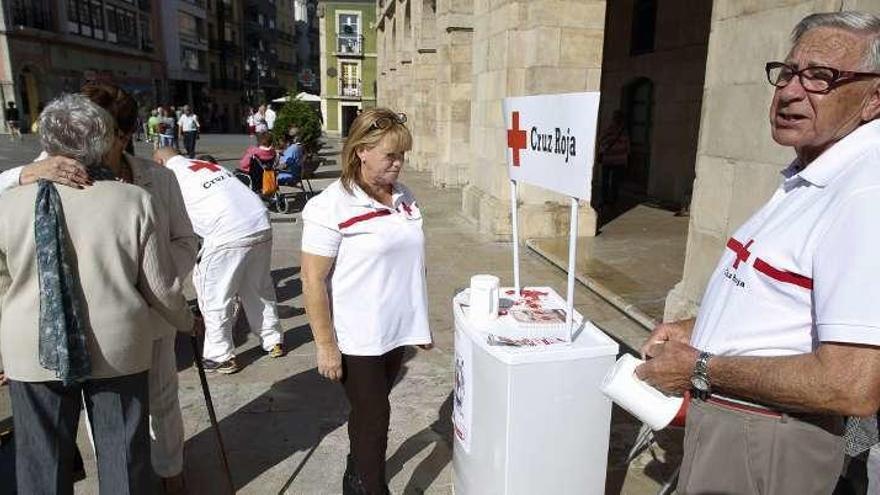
point(613, 156)
point(166, 128)
point(13, 121)
point(363, 237)
point(189, 126)
point(270, 116)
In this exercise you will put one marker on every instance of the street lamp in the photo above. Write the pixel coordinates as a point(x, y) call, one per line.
point(257, 63)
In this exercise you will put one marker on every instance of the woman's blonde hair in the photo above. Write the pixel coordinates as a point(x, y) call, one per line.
point(367, 130)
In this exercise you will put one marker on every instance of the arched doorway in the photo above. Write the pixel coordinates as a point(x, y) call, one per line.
point(638, 106)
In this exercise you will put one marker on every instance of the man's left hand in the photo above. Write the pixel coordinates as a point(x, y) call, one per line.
point(669, 366)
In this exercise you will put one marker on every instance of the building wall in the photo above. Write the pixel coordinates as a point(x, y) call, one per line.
point(738, 163)
point(675, 67)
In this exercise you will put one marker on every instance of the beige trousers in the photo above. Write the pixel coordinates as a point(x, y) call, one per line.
point(733, 452)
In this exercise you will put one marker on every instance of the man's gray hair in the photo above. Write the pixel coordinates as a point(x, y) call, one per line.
point(857, 22)
point(73, 126)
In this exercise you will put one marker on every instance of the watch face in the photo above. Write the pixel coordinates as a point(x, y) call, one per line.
point(700, 383)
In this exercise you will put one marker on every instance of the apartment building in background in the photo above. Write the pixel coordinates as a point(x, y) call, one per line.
point(348, 61)
point(185, 43)
point(261, 51)
point(225, 105)
point(48, 47)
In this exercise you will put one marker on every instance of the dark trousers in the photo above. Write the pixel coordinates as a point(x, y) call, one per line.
point(46, 415)
point(189, 142)
point(368, 381)
point(256, 174)
point(611, 175)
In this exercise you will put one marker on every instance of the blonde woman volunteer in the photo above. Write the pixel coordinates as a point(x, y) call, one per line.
point(363, 236)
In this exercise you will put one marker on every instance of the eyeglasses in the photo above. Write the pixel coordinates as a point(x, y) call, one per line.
point(814, 79)
point(385, 121)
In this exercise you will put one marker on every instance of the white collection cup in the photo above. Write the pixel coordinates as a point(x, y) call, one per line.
point(484, 298)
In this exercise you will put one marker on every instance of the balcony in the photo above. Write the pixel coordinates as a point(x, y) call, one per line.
point(350, 88)
point(193, 38)
point(348, 45)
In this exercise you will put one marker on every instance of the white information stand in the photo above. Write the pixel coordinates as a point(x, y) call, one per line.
point(532, 419)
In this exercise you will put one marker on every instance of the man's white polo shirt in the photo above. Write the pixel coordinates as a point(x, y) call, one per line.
point(805, 268)
point(379, 296)
point(221, 208)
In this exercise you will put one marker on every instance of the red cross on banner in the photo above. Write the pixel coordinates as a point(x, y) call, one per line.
point(742, 252)
point(516, 139)
point(199, 165)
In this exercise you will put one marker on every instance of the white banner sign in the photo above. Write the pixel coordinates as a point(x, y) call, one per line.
point(551, 141)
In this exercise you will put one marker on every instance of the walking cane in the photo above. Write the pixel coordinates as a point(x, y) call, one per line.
point(210, 404)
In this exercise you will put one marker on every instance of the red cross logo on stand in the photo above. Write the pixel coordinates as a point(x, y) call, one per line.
point(516, 139)
point(198, 165)
point(742, 252)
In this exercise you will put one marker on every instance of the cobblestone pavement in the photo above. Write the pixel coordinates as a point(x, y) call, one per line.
point(284, 426)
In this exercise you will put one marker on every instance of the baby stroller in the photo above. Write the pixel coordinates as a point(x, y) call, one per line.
point(262, 178)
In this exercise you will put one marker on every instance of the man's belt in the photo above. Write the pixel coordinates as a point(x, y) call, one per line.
point(831, 423)
point(737, 404)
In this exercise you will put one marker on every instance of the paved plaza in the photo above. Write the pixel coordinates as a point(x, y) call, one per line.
point(285, 426)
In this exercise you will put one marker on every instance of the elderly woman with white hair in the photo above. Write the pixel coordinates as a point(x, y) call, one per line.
point(77, 303)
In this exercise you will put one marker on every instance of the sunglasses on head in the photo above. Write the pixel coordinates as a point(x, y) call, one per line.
point(386, 121)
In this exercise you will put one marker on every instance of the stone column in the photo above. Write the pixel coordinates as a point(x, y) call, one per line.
point(526, 48)
point(453, 91)
point(738, 163)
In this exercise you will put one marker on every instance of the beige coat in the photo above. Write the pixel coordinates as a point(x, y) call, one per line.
point(125, 275)
point(174, 224)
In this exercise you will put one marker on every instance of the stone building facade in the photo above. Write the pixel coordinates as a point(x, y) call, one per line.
point(695, 67)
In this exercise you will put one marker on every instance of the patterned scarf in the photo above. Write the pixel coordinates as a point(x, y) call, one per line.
point(62, 309)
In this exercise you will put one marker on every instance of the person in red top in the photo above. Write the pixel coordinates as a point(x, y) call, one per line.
point(265, 153)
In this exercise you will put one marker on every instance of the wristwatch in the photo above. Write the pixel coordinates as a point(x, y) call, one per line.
point(700, 378)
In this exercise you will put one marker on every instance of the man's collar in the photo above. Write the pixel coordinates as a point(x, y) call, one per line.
point(823, 170)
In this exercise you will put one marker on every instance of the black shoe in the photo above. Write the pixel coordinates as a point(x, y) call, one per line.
point(351, 482)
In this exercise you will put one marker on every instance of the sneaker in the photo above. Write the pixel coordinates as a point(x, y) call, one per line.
point(227, 367)
point(277, 351)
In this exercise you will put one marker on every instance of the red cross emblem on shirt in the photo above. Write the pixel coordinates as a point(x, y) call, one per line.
point(742, 252)
point(198, 165)
point(516, 139)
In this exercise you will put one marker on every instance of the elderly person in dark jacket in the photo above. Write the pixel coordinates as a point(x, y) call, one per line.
point(79, 307)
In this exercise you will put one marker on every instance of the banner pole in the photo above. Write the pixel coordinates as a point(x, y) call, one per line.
point(572, 264)
point(515, 224)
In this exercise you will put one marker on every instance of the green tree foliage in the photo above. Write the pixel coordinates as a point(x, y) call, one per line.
point(304, 118)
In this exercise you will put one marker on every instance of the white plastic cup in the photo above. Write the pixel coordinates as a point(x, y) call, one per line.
point(484, 298)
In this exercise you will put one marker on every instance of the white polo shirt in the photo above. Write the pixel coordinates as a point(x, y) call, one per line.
point(188, 123)
point(805, 268)
point(379, 296)
point(221, 208)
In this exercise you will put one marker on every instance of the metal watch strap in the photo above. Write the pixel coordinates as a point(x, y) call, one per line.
point(701, 373)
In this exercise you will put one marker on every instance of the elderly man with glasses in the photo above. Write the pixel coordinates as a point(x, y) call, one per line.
point(787, 340)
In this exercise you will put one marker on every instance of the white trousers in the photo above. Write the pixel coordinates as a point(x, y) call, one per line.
point(224, 272)
point(166, 420)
